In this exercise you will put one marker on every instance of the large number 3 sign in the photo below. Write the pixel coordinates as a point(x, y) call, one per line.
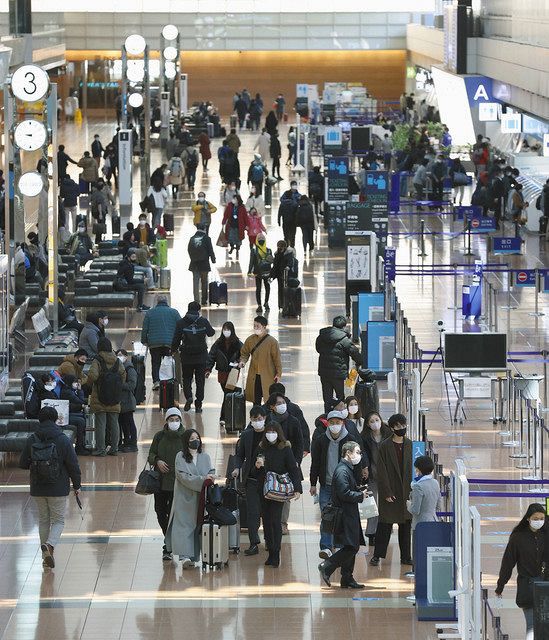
point(30, 83)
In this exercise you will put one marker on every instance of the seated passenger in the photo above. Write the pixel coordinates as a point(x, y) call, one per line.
point(71, 390)
point(125, 279)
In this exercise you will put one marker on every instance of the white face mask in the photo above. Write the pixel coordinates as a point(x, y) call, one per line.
point(75, 385)
point(201, 199)
point(353, 409)
point(227, 333)
point(174, 425)
point(105, 322)
point(355, 458)
point(335, 428)
point(50, 387)
point(344, 413)
point(375, 426)
point(271, 436)
point(281, 408)
point(122, 359)
point(142, 223)
point(537, 524)
point(258, 332)
point(258, 425)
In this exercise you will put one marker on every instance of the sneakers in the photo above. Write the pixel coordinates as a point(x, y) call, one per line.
point(128, 448)
point(166, 555)
point(100, 453)
point(325, 554)
point(324, 574)
point(156, 386)
point(253, 550)
point(374, 562)
point(112, 453)
point(187, 406)
point(186, 562)
point(47, 555)
point(285, 530)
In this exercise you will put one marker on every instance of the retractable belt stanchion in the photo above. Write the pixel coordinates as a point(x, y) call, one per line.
point(537, 313)
point(422, 238)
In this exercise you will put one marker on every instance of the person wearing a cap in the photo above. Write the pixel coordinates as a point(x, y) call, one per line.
point(126, 281)
point(166, 444)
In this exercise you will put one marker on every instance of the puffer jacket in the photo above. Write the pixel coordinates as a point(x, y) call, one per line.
point(159, 325)
point(71, 366)
point(89, 169)
point(334, 348)
point(128, 402)
point(88, 338)
point(93, 378)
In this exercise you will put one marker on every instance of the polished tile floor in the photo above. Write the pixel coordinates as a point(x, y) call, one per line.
point(110, 582)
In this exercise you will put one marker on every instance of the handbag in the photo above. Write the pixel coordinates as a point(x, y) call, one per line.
point(460, 179)
point(214, 494)
point(278, 487)
point(222, 239)
point(368, 507)
point(167, 368)
point(99, 228)
point(149, 482)
point(331, 519)
point(232, 379)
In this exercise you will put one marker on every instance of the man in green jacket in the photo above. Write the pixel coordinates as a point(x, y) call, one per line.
point(157, 333)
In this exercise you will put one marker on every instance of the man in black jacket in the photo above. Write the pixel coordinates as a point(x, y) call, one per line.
point(97, 149)
point(63, 160)
point(347, 496)
point(50, 488)
point(295, 411)
point(246, 456)
point(200, 252)
point(125, 279)
point(334, 347)
point(190, 339)
point(287, 212)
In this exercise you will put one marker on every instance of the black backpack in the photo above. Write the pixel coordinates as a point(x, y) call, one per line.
point(192, 161)
point(197, 248)
point(45, 467)
point(109, 384)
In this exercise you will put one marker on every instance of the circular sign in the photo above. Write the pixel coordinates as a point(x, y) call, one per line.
point(30, 135)
point(170, 32)
point(135, 44)
point(170, 53)
point(475, 223)
point(522, 276)
point(135, 73)
point(170, 71)
point(30, 83)
point(135, 100)
point(30, 183)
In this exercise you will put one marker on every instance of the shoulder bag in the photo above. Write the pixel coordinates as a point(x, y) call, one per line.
point(278, 487)
point(331, 519)
point(257, 345)
point(149, 481)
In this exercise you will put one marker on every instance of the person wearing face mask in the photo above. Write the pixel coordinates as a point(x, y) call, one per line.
point(126, 281)
point(347, 496)
point(528, 550)
point(285, 267)
point(157, 333)
point(203, 210)
point(291, 428)
point(234, 223)
point(374, 433)
point(394, 477)
point(321, 422)
point(94, 328)
point(261, 261)
point(254, 225)
point(353, 413)
point(275, 151)
point(256, 202)
point(71, 390)
point(247, 450)
point(128, 405)
point(295, 411)
point(176, 174)
point(263, 351)
point(73, 365)
point(144, 234)
point(334, 348)
point(66, 313)
point(45, 387)
point(80, 245)
point(425, 495)
point(326, 452)
point(224, 355)
point(201, 252)
point(192, 468)
point(229, 193)
point(275, 454)
point(165, 446)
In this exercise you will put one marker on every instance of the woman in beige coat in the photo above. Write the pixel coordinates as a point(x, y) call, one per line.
point(265, 366)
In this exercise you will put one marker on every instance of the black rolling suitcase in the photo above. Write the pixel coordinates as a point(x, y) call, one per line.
point(168, 395)
point(230, 501)
point(292, 302)
point(218, 293)
point(367, 392)
point(138, 363)
point(235, 411)
point(168, 223)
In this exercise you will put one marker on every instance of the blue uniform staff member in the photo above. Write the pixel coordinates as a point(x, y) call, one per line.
point(528, 550)
point(346, 495)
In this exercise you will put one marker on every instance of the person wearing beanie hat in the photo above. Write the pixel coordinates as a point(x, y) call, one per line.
point(190, 339)
point(105, 415)
point(165, 446)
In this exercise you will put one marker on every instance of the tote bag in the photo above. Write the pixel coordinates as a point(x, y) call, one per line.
point(278, 487)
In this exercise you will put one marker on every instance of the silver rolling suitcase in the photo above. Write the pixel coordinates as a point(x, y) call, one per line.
point(215, 546)
point(89, 438)
point(165, 278)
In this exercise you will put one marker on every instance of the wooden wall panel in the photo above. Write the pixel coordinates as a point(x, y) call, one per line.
point(216, 75)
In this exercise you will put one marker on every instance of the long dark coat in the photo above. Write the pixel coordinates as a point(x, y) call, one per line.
point(391, 481)
point(346, 496)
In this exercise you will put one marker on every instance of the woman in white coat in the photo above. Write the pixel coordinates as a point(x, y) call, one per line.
point(192, 468)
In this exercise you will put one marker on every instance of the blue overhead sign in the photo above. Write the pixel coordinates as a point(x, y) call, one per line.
point(525, 278)
point(506, 245)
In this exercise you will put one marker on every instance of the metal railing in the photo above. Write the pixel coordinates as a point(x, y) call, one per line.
point(491, 627)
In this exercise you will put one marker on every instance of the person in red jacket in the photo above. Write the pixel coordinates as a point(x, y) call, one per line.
point(254, 225)
point(234, 222)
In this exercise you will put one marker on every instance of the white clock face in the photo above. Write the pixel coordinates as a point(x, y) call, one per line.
point(30, 83)
point(30, 135)
point(30, 183)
